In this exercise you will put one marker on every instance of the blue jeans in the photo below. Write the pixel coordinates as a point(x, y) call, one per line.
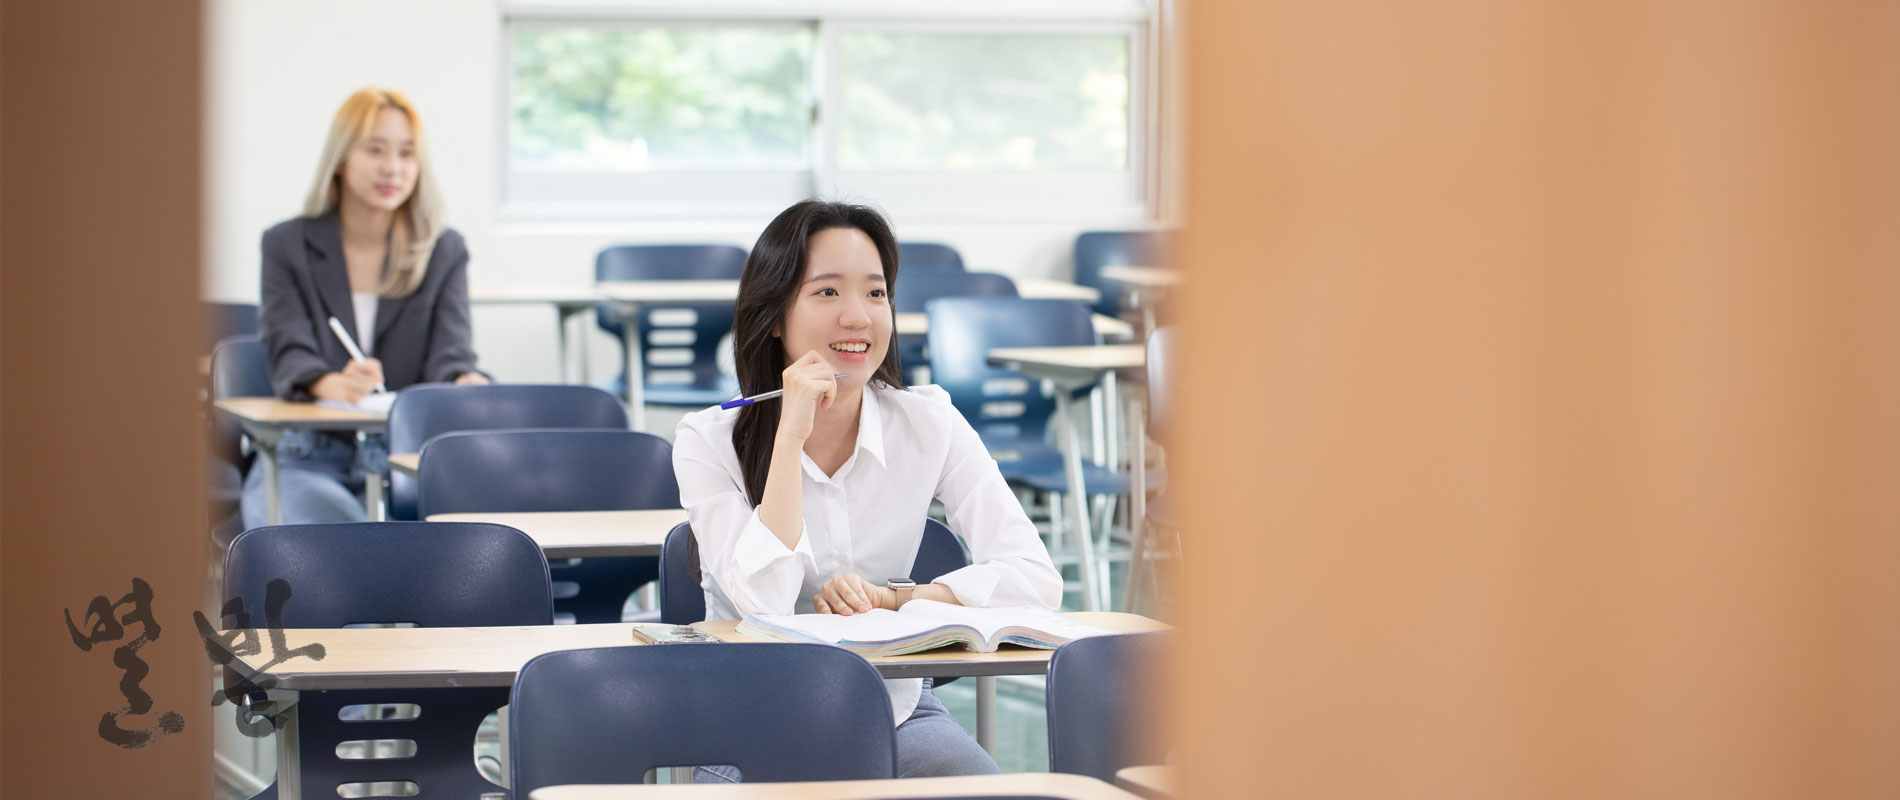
point(930, 744)
point(320, 478)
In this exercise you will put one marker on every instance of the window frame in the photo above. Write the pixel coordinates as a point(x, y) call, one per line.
point(1130, 194)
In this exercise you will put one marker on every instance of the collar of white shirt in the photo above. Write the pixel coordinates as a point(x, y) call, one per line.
point(870, 439)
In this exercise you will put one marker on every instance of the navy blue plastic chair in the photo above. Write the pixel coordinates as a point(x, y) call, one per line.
point(1096, 693)
point(778, 712)
point(421, 413)
point(1097, 249)
point(915, 287)
point(239, 368)
point(927, 255)
point(707, 385)
point(430, 574)
point(683, 602)
point(1008, 410)
point(558, 470)
point(225, 320)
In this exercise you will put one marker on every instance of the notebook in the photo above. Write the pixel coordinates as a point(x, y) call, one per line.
point(374, 403)
point(922, 625)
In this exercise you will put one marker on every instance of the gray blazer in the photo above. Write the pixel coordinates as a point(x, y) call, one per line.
point(420, 338)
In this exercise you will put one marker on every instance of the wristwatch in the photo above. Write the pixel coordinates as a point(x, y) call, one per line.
point(903, 587)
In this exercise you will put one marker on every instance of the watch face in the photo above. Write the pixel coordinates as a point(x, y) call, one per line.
point(901, 583)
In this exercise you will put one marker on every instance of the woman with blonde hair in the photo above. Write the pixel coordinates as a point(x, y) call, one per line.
point(369, 251)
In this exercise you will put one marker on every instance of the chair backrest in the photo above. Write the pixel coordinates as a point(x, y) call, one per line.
point(710, 321)
point(421, 413)
point(1000, 403)
point(1161, 377)
point(683, 602)
point(918, 286)
point(1096, 694)
point(225, 320)
point(1097, 249)
point(240, 368)
point(939, 554)
point(778, 712)
point(430, 574)
point(546, 470)
point(912, 255)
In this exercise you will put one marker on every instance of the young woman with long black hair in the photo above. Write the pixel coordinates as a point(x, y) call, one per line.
point(811, 502)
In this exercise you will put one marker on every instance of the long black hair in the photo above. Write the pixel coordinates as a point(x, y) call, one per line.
point(773, 274)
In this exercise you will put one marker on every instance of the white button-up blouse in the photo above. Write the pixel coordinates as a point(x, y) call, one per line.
point(868, 518)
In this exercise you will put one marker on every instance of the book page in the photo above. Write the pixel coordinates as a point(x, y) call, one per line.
point(989, 621)
point(876, 625)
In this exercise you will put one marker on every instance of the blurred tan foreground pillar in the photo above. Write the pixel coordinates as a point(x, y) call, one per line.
point(101, 445)
point(1542, 429)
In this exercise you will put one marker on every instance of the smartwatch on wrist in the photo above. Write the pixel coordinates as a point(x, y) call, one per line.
point(903, 587)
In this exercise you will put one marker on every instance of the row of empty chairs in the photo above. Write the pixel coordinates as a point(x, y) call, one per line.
point(610, 715)
point(682, 341)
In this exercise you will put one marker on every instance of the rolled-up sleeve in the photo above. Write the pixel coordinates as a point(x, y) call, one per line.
point(1009, 565)
point(750, 565)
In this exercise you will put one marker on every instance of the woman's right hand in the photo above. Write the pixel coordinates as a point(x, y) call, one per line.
point(342, 387)
point(810, 384)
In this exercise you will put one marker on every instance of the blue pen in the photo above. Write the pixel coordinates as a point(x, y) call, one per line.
point(746, 401)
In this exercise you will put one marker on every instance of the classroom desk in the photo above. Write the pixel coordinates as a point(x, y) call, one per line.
point(265, 419)
point(1146, 284)
point(1071, 368)
point(568, 302)
point(917, 323)
point(1045, 288)
point(586, 534)
point(1152, 782)
point(628, 296)
point(409, 464)
point(1032, 784)
point(411, 658)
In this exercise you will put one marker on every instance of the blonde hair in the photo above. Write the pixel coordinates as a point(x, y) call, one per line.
point(412, 236)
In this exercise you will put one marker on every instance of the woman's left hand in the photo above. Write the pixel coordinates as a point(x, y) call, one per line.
point(849, 594)
point(471, 379)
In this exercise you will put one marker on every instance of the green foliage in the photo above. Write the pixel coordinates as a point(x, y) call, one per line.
point(735, 98)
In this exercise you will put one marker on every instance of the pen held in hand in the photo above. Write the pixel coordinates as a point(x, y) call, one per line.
point(349, 345)
point(746, 401)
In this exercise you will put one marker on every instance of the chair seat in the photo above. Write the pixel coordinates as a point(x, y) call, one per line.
point(1039, 466)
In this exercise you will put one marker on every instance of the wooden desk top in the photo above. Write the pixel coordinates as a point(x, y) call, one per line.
point(415, 658)
point(274, 413)
point(917, 323)
point(406, 463)
point(410, 658)
point(1144, 277)
point(586, 534)
point(1152, 782)
point(1010, 660)
point(534, 293)
point(1039, 784)
point(1044, 288)
point(669, 291)
point(1071, 362)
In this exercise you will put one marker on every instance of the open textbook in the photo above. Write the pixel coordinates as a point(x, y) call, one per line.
point(922, 625)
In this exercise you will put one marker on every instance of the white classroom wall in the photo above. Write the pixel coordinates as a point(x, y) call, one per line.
point(277, 69)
